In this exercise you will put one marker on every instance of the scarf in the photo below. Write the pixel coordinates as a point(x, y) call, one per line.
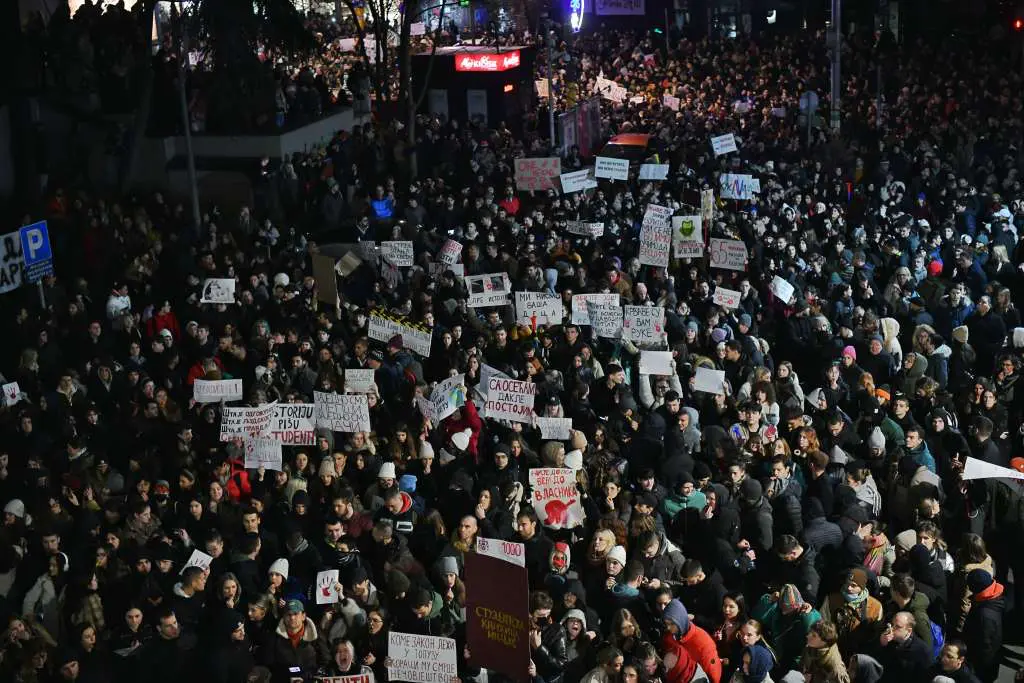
point(296, 638)
point(855, 600)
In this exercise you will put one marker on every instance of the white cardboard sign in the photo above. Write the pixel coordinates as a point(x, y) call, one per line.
point(709, 381)
point(687, 236)
point(218, 291)
point(342, 412)
point(212, 391)
point(613, 169)
point(399, 254)
point(656, 363)
point(643, 324)
point(510, 399)
point(358, 380)
point(556, 428)
point(724, 144)
point(325, 582)
point(538, 307)
point(421, 659)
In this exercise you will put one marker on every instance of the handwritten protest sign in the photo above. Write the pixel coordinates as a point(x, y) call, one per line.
point(358, 380)
point(653, 172)
point(729, 254)
point(724, 144)
point(246, 422)
point(509, 399)
point(726, 298)
point(576, 181)
point(738, 186)
point(657, 215)
point(354, 678)
point(325, 583)
point(709, 381)
point(687, 236)
point(212, 391)
point(492, 289)
point(198, 559)
point(584, 228)
point(655, 362)
point(446, 397)
point(293, 424)
point(655, 243)
point(538, 173)
point(263, 453)
point(555, 498)
point(707, 205)
point(218, 291)
point(582, 302)
point(606, 320)
point(12, 393)
point(557, 428)
point(417, 28)
point(538, 308)
point(613, 169)
point(450, 252)
point(342, 412)
point(421, 659)
point(643, 324)
point(383, 326)
point(541, 86)
point(670, 102)
point(397, 253)
point(782, 289)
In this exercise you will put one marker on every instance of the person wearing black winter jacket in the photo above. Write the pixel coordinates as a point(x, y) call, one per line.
point(547, 639)
point(231, 658)
point(755, 517)
point(983, 630)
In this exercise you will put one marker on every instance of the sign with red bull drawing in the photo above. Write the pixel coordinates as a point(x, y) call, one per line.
point(555, 497)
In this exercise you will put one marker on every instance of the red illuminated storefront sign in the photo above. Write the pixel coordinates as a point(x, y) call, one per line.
point(486, 61)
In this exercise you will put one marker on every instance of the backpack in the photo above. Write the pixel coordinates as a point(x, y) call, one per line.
point(938, 639)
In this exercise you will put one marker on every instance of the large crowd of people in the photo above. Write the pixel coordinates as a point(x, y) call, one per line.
point(809, 523)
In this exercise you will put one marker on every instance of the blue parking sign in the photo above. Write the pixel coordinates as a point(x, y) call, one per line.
point(35, 248)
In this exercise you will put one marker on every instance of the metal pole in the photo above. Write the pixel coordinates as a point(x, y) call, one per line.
point(183, 100)
point(810, 119)
point(837, 26)
point(668, 43)
point(551, 87)
point(42, 294)
point(878, 105)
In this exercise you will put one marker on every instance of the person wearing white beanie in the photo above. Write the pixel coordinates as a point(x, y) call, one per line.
point(615, 560)
point(15, 508)
point(387, 471)
point(279, 566)
point(327, 468)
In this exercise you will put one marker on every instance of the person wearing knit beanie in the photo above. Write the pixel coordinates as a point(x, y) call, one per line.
point(790, 599)
point(978, 581)
point(849, 351)
point(617, 554)
point(905, 540)
point(398, 584)
point(279, 566)
point(860, 577)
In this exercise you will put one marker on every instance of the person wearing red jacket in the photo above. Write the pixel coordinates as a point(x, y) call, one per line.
point(464, 418)
point(683, 636)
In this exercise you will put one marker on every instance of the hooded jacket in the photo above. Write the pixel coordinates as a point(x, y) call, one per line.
point(983, 631)
point(310, 653)
point(694, 640)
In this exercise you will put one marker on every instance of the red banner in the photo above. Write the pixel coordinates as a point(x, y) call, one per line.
point(498, 613)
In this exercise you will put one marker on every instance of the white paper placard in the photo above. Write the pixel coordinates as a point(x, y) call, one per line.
point(710, 381)
point(730, 254)
point(670, 102)
point(724, 144)
point(450, 252)
point(325, 582)
point(556, 428)
point(782, 290)
point(582, 302)
point(198, 559)
point(246, 422)
point(538, 308)
point(398, 253)
point(417, 28)
point(342, 412)
point(575, 181)
point(446, 397)
point(358, 380)
point(643, 324)
point(653, 172)
point(656, 363)
point(727, 298)
point(655, 245)
point(613, 169)
point(585, 229)
point(737, 186)
point(687, 236)
point(212, 391)
point(12, 393)
point(606, 321)
point(979, 469)
point(492, 289)
point(421, 659)
point(293, 424)
point(555, 498)
point(510, 399)
point(264, 453)
point(383, 327)
point(218, 291)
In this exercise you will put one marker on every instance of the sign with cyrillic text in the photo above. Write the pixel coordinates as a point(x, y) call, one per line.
point(510, 399)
